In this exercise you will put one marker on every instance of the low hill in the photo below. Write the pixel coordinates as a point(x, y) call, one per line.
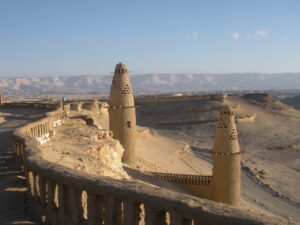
point(150, 83)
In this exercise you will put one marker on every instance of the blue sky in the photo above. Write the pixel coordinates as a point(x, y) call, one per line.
point(71, 37)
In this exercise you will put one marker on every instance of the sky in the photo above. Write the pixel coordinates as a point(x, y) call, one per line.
point(77, 37)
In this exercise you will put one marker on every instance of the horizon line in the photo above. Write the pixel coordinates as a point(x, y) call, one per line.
point(149, 73)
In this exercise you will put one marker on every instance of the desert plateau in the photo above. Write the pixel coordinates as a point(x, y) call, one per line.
point(149, 112)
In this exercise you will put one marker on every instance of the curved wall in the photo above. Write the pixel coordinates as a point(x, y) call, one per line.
point(59, 195)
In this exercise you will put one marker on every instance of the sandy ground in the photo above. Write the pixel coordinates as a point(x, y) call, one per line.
point(270, 178)
point(13, 209)
point(272, 148)
point(175, 156)
point(75, 152)
point(270, 162)
point(165, 151)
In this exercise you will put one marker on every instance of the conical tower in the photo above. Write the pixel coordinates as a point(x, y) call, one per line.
point(1, 99)
point(226, 160)
point(122, 120)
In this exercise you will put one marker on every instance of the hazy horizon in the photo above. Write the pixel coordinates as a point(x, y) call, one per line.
point(151, 83)
point(142, 74)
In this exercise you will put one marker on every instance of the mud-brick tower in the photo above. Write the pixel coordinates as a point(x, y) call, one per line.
point(1, 99)
point(226, 160)
point(122, 119)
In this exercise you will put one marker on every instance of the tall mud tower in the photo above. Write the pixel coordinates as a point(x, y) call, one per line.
point(1, 99)
point(122, 120)
point(226, 160)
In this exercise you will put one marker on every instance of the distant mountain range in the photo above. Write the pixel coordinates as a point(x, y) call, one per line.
point(150, 83)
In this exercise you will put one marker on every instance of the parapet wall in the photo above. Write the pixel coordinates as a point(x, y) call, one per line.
point(185, 178)
point(60, 195)
point(198, 185)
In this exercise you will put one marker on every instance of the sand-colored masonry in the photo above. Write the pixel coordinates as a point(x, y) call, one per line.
point(224, 185)
point(58, 195)
point(1, 99)
point(226, 160)
point(122, 119)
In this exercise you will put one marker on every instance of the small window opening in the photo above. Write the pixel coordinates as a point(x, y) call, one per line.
point(129, 124)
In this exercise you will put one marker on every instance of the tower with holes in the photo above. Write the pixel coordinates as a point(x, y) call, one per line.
point(122, 119)
point(226, 160)
point(1, 99)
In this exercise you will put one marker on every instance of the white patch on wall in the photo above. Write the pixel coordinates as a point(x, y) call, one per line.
point(43, 138)
point(57, 123)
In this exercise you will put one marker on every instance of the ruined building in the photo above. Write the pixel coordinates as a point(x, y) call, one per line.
point(122, 120)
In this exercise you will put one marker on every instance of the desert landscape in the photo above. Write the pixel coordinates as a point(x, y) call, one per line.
point(175, 134)
point(268, 136)
point(149, 112)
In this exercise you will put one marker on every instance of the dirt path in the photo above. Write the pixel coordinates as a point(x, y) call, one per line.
point(13, 209)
